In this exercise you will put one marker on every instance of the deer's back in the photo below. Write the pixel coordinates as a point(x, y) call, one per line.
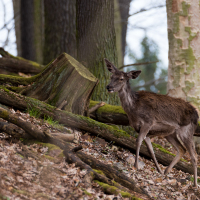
point(163, 107)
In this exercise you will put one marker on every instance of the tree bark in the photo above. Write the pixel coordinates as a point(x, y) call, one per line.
point(64, 83)
point(121, 13)
point(96, 41)
point(60, 29)
point(18, 64)
point(184, 52)
point(15, 66)
point(29, 29)
point(83, 123)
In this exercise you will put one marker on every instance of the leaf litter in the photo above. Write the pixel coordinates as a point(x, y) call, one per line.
point(36, 176)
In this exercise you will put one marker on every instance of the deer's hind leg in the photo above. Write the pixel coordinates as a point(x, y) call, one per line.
point(180, 150)
point(186, 137)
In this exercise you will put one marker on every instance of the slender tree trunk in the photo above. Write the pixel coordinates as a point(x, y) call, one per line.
point(96, 41)
point(121, 20)
point(16, 8)
point(60, 28)
point(184, 52)
point(29, 28)
point(118, 32)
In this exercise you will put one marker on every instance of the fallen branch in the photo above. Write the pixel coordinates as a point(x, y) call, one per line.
point(144, 63)
point(84, 123)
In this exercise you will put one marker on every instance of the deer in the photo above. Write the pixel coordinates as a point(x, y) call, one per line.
point(152, 114)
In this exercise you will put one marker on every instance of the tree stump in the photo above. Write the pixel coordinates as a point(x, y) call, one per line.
point(65, 84)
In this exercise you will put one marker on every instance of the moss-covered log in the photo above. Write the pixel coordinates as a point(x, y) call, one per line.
point(18, 64)
point(84, 123)
point(115, 115)
point(64, 80)
point(109, 114)
point(15, 66)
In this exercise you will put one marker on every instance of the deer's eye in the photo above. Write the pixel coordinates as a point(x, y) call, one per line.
point(121, 79)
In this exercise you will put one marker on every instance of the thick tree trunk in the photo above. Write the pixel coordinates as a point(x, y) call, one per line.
point(64, 83)
point(96, 41)
point(184, 52)
point(60, 29)
point(83, 123)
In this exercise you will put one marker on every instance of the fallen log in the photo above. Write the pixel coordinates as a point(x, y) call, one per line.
point(70, 155)
point(84, 123)
point(17, 64)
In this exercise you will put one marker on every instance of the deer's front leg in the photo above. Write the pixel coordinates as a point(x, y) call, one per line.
point(143, 132)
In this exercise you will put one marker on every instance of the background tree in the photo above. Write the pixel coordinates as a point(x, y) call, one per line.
point(60, 29)
point(29, 28)
point(148, 79)
point(96, 41)
point(121, 14)
point(184, 51)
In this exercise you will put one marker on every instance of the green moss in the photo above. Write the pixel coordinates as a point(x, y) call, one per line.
point(107, 108)
point(191, 34)
point(99, 171)
point(105, 187)
point(86, 192)
point(165, 151)
point(188, 86)
point(103, 127)
point(20, 155)
point(21, 192)
point(176, 23)
point(177, 71)
point(80, 68)
point(180, 43)
point(189, 57)
point(185, 7)
point(114, 190)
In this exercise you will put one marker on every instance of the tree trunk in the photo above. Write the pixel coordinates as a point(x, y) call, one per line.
point(96, 41)
point(184, 52)
point(121, 21)
point(31, 30)
point(64, 83)
point(60, 29)
point(17, 18)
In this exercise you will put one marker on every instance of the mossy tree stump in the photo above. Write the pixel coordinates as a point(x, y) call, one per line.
point(64, 83)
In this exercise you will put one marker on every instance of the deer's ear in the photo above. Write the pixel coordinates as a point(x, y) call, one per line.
point(134, 74)
point(110, 66)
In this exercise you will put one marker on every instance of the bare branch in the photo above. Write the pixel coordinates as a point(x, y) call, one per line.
point(144, 10)
point(144, 63)
point(151, 82)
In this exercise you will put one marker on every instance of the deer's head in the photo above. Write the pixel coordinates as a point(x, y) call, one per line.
point(118, 78)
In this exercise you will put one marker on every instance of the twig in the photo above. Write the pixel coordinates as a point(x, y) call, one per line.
point(91, 110)
point(144, 10)
point(151, 82)
point(144, 63)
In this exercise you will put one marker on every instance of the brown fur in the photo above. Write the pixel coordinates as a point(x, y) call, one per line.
point(153, 114)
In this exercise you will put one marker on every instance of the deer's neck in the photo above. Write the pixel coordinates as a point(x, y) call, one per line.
point(127, 97)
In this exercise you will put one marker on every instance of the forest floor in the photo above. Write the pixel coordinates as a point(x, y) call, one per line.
point(34, 170)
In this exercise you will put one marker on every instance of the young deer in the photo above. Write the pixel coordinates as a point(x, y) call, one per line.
point(153, 115)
